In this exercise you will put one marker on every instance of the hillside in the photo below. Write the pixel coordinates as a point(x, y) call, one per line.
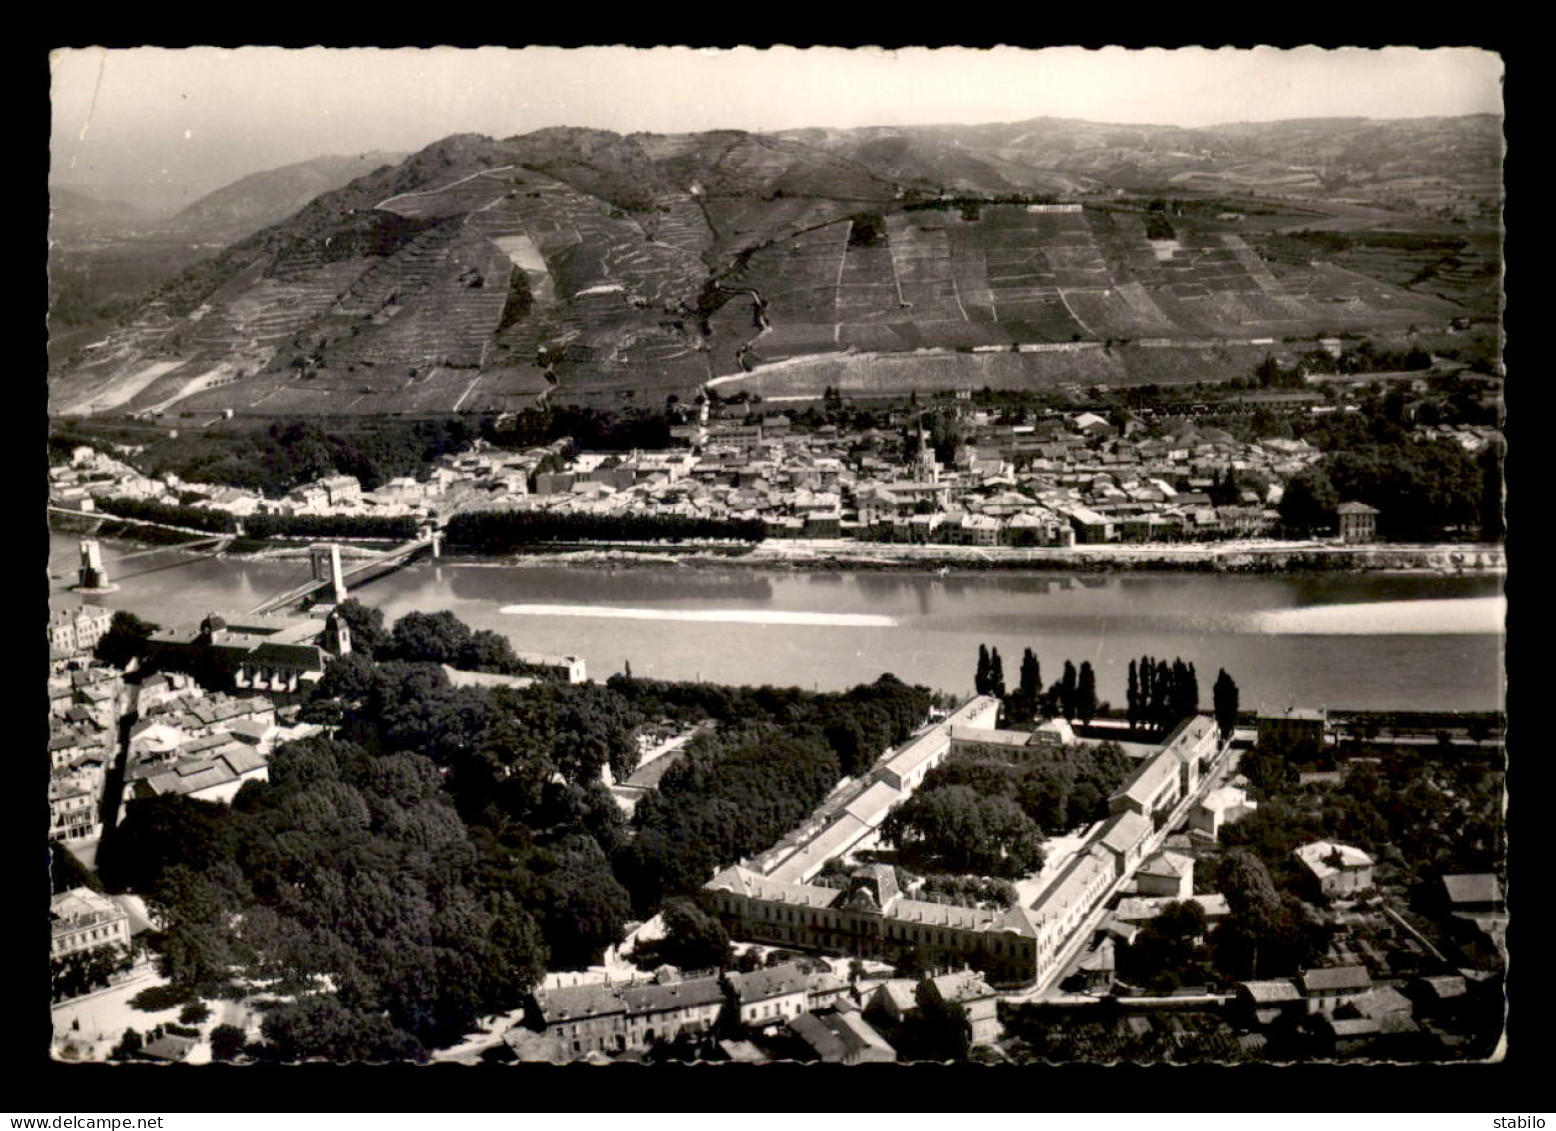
point(261, 199)
point(74, 211)
point(479, 274)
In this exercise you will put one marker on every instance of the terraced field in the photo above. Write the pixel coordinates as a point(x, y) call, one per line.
point(1013, 275)
point(1080, 363)
point(582, 263)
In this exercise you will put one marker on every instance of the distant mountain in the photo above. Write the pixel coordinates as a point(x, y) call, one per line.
point(478, 274)
point(78, 210)
point(261, 199)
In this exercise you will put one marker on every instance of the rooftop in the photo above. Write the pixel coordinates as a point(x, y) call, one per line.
point(1480, 887)
point(768, 983)
point(1336, 978)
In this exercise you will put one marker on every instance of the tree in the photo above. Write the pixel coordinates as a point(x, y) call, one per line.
point(125, 640)
point(129, 1045)
point(693, 940)
point(435, 638)
point(366, 625)
point(227, 1042)
point(981, 679)
point(940, 1029)
point(1310, 500)
point(996, 675)
point(1023, 704)
point(1224, 695)
point(1086, 693)
point(1068, 686)
point(1133, 695)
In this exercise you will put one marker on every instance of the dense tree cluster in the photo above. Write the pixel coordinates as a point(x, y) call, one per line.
point(348, 866)
point(1169, 951)
point(126, 639)
point(1418, 814)
point(990, 817)
point(1423, 489)
point(421, 866)
point(505, 531)
point(777, 753)
point(592, 429)
point(967, 891)
point(958, 829)
point(1268, 933)
point(858, 724)
point(399, 527)
point(86, 970)
point(1102, 1033)
point(289, 455)
point(1160, 695)
point(692, 940)
point(1072, 696)
point(195, 518)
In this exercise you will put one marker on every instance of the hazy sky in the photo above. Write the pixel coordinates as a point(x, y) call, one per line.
point(199, 118)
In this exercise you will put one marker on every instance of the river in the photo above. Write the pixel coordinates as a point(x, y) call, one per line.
point(1346, 641)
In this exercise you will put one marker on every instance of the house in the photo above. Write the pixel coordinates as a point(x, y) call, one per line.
point(570, 1022)
point(664, 1010)
point(216, 777)
point(576, 1020)
point(73, 810)
point(78, 630)
point(1358, 522)
point(169, 1047)
point(1295, 726)
point(824, 990)
point(897, 998)
point(1340, 869)
point(1169, 874)
point(769, 996)
point(1267, 1001)
point(1475, 893)
point(1220, 807)
point(968, 989)
point(1326, 990)
point(842, 1037)
point(1097, 969)
point(82, 919)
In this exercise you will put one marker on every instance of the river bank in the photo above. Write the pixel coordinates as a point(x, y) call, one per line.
point(825, 555)
point(840, 554)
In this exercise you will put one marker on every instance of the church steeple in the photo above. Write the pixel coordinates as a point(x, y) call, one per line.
point(337, 634)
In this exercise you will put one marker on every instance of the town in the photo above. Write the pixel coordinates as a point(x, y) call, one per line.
point(1146, 917)
point(951, 473)
point(740, 578)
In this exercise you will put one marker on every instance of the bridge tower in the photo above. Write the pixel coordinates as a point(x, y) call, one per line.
point(325, 560)
point(92, 575)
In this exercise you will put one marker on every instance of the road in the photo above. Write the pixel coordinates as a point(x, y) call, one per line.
point(1079, 940)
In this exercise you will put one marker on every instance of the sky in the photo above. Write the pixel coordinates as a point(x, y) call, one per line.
point(190, 120)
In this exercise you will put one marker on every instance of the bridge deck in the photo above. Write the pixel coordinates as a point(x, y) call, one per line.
point(360, 571)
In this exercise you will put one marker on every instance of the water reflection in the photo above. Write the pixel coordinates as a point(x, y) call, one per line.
point(1211, 620)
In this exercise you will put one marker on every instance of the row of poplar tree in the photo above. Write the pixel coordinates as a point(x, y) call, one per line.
point(1072, 696)
point(1159, 694)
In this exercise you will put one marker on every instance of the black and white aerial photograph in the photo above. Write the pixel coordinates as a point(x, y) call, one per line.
point(744, 556)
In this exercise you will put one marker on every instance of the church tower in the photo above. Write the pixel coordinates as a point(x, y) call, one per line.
point(337, 635)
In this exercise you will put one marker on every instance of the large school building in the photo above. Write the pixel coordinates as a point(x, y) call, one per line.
point(871, 918)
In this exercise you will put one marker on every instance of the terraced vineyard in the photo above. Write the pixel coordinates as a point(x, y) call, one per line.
point(482, 274)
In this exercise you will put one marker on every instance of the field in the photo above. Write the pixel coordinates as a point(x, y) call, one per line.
point(1202, 305)
point(1087, 364)
point(589, 266)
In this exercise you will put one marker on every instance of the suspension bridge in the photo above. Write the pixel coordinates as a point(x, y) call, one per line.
point(329, 574)
point(326, 571)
